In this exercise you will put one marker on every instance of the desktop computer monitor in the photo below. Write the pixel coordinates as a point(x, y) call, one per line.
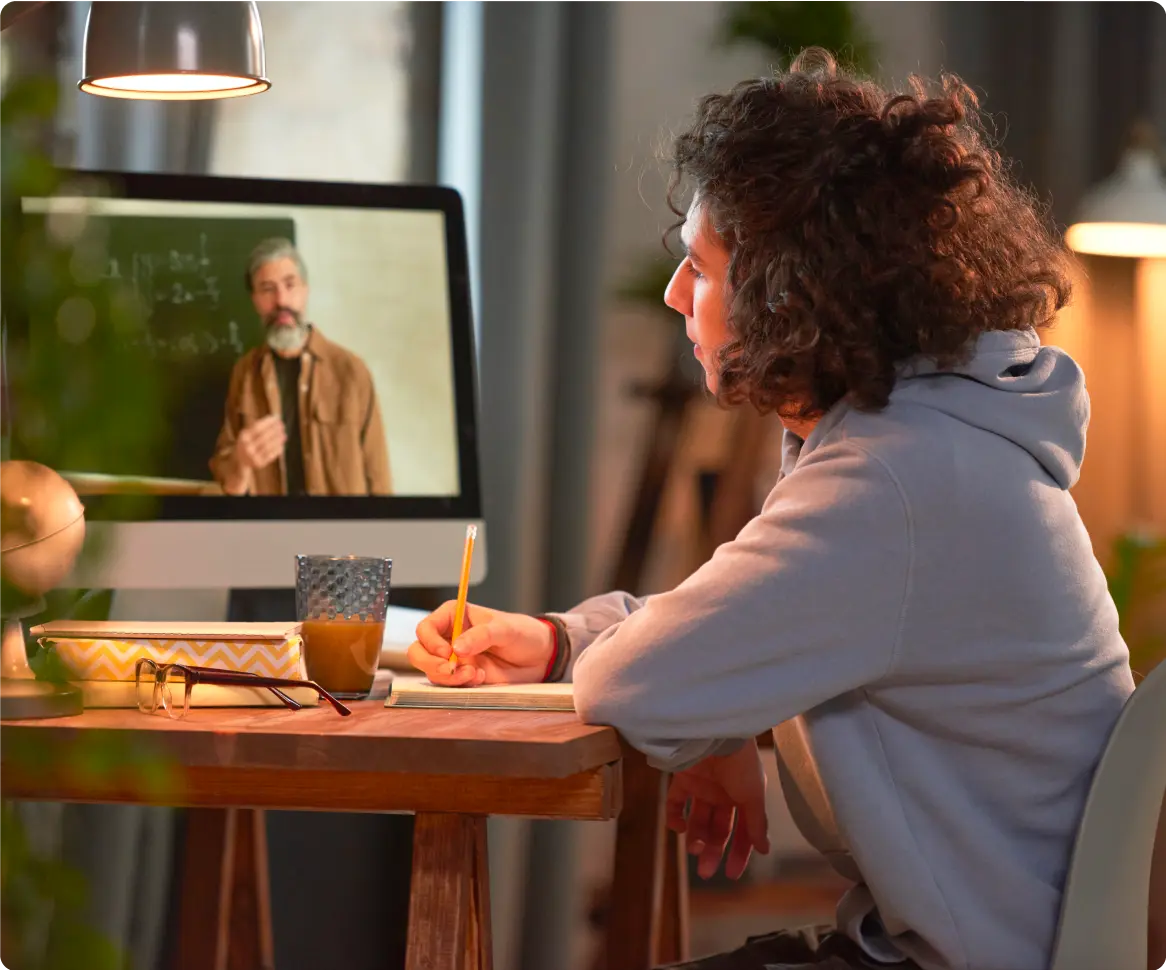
point(309, 351)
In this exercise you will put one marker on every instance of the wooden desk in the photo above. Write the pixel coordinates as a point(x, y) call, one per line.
point(451, 768)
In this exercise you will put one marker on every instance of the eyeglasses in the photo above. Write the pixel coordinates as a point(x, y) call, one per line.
point(157, 683)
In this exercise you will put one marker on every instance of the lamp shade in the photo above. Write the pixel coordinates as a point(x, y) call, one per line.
point(173, 51)
point(1126, 214)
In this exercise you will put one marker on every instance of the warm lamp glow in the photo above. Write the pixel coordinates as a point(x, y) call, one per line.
point(1126, 214)
point(1130, 239)
point(174, 87)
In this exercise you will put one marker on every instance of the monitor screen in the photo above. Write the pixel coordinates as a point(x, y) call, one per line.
point(300, 348)
point(308, 346)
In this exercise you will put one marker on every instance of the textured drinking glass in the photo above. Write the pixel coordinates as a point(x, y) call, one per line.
point(341, 603)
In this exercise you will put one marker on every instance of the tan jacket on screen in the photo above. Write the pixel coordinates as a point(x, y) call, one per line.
point(342, 435)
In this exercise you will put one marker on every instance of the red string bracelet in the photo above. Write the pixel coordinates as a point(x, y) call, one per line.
point(555, 651)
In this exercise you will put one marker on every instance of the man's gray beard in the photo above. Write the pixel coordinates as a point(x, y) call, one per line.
point(287, 340)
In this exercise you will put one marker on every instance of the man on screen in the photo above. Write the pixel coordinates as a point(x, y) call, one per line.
point(301, 416)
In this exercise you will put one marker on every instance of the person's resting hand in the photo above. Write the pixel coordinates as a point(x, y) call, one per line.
point(260, 443)
point(494, 648)
point(724, 796)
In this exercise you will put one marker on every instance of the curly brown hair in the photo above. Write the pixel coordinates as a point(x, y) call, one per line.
point(864, 228)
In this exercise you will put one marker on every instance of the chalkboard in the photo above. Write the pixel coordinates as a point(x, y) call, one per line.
point(188, 275)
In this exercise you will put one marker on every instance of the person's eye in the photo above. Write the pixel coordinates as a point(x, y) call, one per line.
point(695, 273)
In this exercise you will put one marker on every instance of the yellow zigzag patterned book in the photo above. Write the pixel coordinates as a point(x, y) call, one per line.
point(109, 650)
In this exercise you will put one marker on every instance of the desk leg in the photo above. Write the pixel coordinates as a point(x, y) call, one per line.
point(225, 913)
point(647, 917)
point(449, 902)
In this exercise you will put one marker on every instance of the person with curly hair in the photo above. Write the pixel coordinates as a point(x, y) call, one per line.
point(916, 612)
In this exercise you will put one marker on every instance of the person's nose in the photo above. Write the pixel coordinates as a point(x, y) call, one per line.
point(678, 294)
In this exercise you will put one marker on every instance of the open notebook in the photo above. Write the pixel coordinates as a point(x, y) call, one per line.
point(419, 692)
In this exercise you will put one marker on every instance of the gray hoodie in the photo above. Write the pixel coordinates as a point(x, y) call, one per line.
point(918, 610)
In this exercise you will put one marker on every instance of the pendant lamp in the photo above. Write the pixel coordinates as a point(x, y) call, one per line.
point(173, 51)
point(1126, 214)
point(168, 50)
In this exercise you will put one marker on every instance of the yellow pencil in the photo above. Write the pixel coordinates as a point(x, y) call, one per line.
point(463, 588)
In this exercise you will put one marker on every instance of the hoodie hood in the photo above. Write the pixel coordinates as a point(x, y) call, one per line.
point(1011, 386)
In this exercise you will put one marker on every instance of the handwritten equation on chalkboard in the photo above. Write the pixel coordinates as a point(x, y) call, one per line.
point(175, 279)
point(191, 344)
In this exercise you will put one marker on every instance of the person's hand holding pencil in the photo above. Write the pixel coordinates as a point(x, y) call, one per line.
point(492, 647)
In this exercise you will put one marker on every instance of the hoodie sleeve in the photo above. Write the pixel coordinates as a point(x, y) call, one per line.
point(804, 605)
point(593, 617)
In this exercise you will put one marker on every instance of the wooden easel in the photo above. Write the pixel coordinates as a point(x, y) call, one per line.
point(733, 501)
point(732, 506)
point(674, 397)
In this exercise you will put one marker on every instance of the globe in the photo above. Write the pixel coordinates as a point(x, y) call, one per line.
point(42, 527)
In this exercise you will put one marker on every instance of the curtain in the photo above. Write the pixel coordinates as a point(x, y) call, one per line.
point(524, 138)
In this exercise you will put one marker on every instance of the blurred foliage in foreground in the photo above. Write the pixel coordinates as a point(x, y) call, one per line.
point(77, 390)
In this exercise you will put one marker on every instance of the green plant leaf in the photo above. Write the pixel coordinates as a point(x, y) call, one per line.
point(1137, 579)
point(46, 665)
point(785, 28)
point(30, 96)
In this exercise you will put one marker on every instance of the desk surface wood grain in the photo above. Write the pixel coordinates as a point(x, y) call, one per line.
point(375, 739)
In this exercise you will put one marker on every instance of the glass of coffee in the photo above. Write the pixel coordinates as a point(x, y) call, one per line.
point(341, 603)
